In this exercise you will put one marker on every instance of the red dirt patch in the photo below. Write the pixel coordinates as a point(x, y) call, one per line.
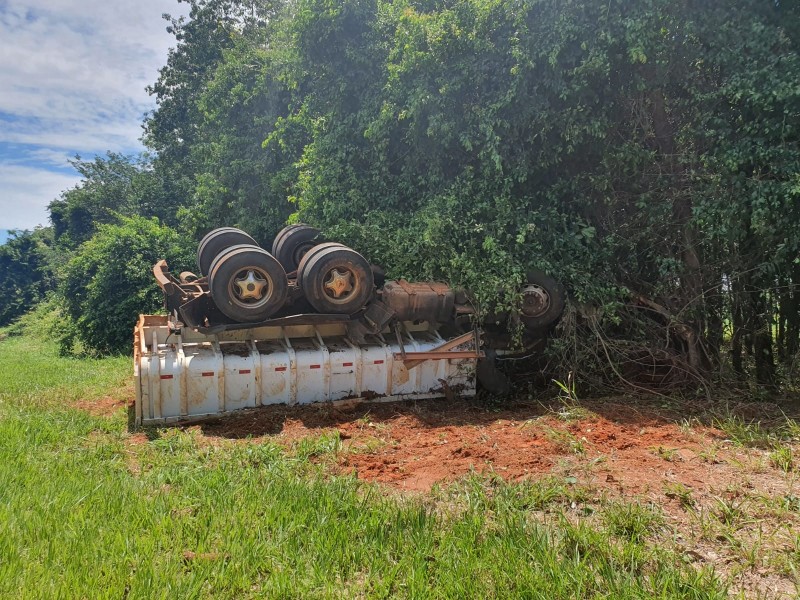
point(419, 454)
point(624, 446)
point(137, 439)
point(103, 407)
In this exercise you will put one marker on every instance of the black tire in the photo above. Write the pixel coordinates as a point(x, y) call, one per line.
point(280, 235)
point(292, 243)
point(490, 377)
point(336, 279)
point(310, 254)
point(543, 301)
point(225, 251)
point(215, 242)
point(247, 283)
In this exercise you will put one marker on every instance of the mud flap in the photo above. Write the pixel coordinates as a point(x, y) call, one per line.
point(490, 377)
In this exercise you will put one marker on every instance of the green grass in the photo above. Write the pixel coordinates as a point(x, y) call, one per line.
point(87, 513)
point(782, 457)
point(32, 370)
point(754, 434)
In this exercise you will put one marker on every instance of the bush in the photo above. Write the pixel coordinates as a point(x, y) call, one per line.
point(25, 276)
point(109, 281)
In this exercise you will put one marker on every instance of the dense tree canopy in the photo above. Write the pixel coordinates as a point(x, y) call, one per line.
point(25, 272)
point(645, 153)
point(113, 186)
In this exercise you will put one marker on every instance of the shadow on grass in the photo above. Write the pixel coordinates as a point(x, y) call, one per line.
point(482, 410)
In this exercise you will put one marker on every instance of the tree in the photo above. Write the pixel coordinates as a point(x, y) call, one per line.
point(242, 175)
point(645, 153)
point(25, 276)
point(112, 186)
point(171, 130)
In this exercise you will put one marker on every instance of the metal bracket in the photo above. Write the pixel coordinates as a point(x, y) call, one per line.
point(443, 352)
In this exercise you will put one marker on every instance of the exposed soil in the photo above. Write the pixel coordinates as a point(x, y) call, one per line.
point(623, 445)
point(104, 407)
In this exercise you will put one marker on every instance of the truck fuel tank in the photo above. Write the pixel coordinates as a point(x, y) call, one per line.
point(419, 301)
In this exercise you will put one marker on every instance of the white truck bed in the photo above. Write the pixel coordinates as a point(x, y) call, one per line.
point(186, 375)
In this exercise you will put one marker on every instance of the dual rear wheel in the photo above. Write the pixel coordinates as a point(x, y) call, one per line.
point(215, 242)
point(292, 243)
point(248, 284)
point(335, 279)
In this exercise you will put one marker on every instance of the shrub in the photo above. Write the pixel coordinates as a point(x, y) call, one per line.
point(109, 281)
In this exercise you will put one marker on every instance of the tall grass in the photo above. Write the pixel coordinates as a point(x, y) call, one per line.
point(88, 511)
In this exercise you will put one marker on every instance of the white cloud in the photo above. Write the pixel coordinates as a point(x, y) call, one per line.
point(26, 192)
point(73, 75)
point(48, 156)
point(80, 68)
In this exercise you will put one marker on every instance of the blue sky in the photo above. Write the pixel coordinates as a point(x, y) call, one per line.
point(72, 81)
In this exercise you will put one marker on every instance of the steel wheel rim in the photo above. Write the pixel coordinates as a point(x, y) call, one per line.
point(535, 300)
point(250, 287)
point(340, 285)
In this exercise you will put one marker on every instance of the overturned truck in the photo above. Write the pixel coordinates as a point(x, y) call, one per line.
point(314, 321)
